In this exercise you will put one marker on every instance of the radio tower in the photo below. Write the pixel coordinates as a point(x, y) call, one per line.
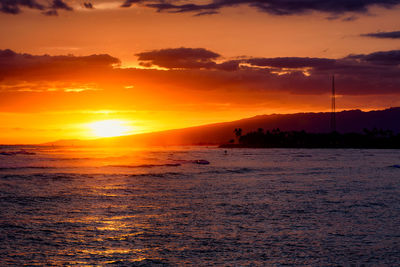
point(333, 106)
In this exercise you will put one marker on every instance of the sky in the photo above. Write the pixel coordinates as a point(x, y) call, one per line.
point(75, 69)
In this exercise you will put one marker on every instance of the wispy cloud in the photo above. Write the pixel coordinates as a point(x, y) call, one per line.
point(383, 35)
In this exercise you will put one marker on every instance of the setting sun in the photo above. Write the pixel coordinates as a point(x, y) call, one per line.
point(110, 128)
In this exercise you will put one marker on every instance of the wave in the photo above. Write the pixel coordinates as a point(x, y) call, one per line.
point(194, 161)
point(160, 175)
point(65, 159)
point(19, 152)
point(144, 262)
point(26, 167)
point(302, 156)
point(240, 170)
point(49, 176)
point(146, 165)
point(176, 164)
point(263, 171)
point(225, 171)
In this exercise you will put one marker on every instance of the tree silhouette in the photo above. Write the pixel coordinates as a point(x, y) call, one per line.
point(238, 133)
point(375, 138)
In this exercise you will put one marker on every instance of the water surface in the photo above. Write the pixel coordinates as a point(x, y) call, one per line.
point(321, 207)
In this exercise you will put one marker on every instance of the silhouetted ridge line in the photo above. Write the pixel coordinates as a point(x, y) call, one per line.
point(219, 133)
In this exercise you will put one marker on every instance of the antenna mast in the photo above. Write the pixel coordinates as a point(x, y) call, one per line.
point(333, 106)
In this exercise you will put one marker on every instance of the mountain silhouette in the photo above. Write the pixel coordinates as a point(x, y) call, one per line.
point(219, 133)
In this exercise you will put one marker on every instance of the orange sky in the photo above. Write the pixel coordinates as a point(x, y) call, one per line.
point(45, 98)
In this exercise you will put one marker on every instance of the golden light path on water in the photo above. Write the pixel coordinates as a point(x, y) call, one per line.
point(108, 218)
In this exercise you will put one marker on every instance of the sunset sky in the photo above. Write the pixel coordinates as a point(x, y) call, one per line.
point(73, 69)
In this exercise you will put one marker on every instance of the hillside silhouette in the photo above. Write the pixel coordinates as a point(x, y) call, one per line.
point(353, 121)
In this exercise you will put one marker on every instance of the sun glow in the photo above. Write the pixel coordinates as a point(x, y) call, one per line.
point(110, 128)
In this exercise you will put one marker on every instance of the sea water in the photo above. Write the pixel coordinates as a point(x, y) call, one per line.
point(247, 207)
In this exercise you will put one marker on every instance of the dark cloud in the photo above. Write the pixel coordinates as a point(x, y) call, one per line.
point(230, 65)
point(350, 18)
point(375, 73)
point(383, 35)
point(201, 69)
point(14, 6)
point(287, 7)
point(177, 58)
point(58, 4)
point(13, 64)
point(88, 5)
point(6, 55)
point(206, 13)
point(380, 58)
point(129, 3)
point(51, 12)
point(291, 62)
point(186, 58)
point(48, 8)
point(200, 58)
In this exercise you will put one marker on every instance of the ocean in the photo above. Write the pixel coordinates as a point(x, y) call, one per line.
point(168, 207)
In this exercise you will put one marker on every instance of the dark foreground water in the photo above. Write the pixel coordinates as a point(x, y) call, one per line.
point(251, 207)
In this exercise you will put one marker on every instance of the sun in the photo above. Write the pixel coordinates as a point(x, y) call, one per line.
point(110, 128)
